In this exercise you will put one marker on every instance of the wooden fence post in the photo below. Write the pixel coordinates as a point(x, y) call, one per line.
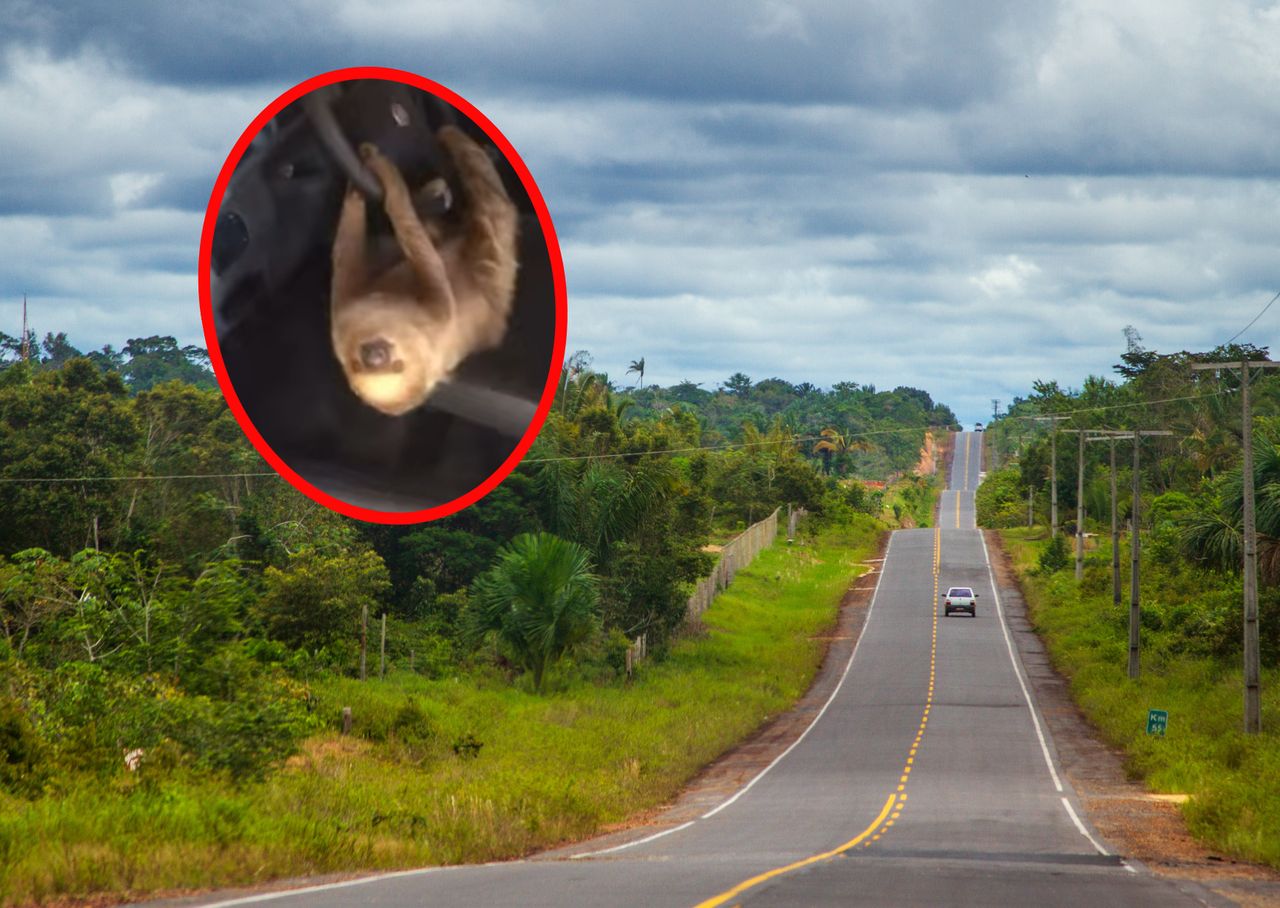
point(364, 639)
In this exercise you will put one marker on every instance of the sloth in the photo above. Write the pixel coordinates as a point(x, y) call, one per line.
point(399, 333)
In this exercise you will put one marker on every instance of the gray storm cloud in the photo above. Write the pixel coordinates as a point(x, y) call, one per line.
point(959, 197)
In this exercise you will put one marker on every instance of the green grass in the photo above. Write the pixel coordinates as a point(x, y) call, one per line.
point(1233, 778)
point(402, 792)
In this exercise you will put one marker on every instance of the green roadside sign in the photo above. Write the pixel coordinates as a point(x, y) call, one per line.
point(1157, 721)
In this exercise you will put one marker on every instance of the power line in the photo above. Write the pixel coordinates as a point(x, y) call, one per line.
point(1136, 403)
point(1255, 318)
point(132, 478)
point(793, 439)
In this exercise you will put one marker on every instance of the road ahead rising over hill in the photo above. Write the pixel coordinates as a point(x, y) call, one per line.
point(928, 779)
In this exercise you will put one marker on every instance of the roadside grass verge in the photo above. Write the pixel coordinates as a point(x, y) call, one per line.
point(457, 770)
point(912, 501)
point(1233, 778)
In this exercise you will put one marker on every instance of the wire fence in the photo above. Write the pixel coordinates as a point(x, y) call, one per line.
point(736, 555)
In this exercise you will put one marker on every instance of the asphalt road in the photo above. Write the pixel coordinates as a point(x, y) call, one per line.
point(929, 779)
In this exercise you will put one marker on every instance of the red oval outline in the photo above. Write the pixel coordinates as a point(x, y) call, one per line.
point(557, 273)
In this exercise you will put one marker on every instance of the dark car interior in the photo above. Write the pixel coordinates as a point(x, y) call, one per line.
point(270, 293)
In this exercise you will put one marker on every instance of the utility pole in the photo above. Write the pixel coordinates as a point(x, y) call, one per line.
point(1252, 685)
point(1135, 544)
point(995, 442)
point(1080, 510)
point(1080, 434)
point(1115, 531)
point(1111, 438)
point(1135, 614)
point(1053, 469)
point(1053, 481)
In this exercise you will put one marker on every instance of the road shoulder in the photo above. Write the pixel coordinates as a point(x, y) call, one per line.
point(1142, 826)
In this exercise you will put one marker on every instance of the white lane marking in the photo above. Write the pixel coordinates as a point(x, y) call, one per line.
point(1035, 717)
point(270, 896)
point(1017, 671)
point(325, 887)
point(1084, 832)
point(778, 759)
point(650, 838)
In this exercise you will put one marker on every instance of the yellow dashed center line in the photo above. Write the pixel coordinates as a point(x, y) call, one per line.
point(877, 823)
point(893, 806)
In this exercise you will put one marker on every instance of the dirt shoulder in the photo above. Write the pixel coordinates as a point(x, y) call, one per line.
point(1142, 826)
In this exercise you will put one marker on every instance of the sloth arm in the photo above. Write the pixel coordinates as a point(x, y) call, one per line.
point(350, 270)
point(488, 249)
point(419, 250)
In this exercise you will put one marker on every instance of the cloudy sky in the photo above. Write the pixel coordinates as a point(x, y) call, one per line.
point(957, 196)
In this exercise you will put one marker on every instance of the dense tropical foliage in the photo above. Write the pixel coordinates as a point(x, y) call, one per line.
point(1192, 473)
point(1190, 481)
point(162, 589)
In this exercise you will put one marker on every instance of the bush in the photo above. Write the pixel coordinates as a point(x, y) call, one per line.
point(600, 660)
point(226, 673)
point(845, 499)
point(23, 756)
point(412, 725)
point(418, 642)
point(97, 716)
point(1001, 499)
point(1055, 556)
point(243, 737)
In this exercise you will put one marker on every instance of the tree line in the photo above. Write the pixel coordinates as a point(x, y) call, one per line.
point(162, 588)
point(851, 429)
point(1190, 481)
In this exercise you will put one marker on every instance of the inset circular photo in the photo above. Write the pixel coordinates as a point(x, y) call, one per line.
point(383, 295)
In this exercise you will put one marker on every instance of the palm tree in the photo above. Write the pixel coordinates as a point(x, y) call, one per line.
point(598, 503)
point(573, 365)
point(1212, 528)
point(833, 442)
point(540, 598)
point(584, 392)
point(637, 365)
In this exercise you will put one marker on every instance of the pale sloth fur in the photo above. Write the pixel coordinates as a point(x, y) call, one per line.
point(399, 333)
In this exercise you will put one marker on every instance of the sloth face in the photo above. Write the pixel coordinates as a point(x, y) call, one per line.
point(376, 356)
point(386, 354)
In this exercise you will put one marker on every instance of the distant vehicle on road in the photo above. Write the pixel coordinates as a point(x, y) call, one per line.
point(977, 427)
point(960, 599)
